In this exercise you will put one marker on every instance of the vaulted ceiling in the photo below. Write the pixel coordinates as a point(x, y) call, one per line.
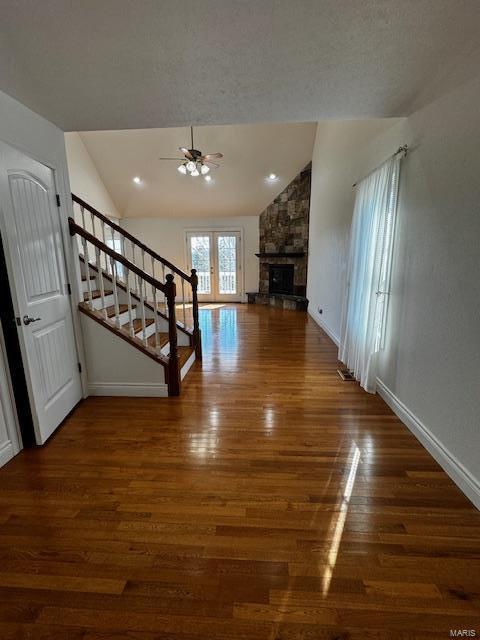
point(238, 187)
point(120, 64)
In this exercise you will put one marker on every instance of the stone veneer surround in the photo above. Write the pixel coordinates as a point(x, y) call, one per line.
point(284, 229)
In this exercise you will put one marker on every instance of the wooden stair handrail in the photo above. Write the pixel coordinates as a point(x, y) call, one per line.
point(129, 236)
point(77, 229)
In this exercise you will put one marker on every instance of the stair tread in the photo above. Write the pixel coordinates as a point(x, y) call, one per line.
point(137, 324)
point(96, 293)
point(121, 309)
point(184, 354)
point(162, 339)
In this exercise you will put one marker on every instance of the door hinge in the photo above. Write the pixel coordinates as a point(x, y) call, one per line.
point(69, 289)
point(79, 367)
point(57, 196)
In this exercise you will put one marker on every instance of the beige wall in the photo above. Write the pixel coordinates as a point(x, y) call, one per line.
point(167, 237)
point(429, 369)
point(85, 180)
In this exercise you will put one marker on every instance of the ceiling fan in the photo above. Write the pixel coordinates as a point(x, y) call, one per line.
point(194, 162)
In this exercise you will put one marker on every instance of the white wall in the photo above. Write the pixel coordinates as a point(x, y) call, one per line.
point(166, 236)
point(429, 370)
point(85, 180)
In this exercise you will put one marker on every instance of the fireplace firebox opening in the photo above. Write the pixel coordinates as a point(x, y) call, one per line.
point(281, 278)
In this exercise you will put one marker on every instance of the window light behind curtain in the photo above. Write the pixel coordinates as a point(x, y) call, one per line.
point(368, 273)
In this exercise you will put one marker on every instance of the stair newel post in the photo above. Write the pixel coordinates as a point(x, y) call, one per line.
point(129, 305)
point(197, 335)
point(173, 367)
point(113, 266)
point(98, 264)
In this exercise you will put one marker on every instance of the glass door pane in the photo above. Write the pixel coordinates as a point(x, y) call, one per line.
point(227, 264)
point(201, 261)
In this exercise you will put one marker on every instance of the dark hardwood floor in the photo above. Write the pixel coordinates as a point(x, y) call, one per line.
point(271, 501)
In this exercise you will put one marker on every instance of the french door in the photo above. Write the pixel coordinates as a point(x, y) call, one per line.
point(216, 255)
point(31, 229)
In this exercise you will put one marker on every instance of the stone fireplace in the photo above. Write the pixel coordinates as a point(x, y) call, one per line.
point(284, 246)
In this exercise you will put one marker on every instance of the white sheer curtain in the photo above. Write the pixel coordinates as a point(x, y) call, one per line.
point(368, 274)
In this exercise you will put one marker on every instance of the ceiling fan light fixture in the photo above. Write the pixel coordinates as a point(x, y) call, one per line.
point(183, 169)
point(195, 172)
point(204, 169)
point(191, 166)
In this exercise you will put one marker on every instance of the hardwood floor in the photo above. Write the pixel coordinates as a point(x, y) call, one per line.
point(271, 501)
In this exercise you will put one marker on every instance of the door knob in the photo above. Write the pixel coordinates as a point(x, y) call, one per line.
point(27, 320)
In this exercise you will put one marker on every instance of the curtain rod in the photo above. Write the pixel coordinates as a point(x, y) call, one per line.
point(403, 149)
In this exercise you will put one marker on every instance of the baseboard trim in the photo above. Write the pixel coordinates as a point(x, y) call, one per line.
point(467, 483)
point(7, 452)
point(128, 389)
point(325, 328)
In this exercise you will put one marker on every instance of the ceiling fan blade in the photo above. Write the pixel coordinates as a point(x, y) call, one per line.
point(186, 152)
point(211, 164)
point(210, 156)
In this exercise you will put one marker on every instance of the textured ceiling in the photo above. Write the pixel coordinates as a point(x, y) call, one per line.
point(120, 64)
point(238, 187)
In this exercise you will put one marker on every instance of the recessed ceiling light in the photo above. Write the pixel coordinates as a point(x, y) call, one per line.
point(208, 178)
point(272, 176)
point(137, 180)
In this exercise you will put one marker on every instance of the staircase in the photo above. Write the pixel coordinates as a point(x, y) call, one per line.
point(136, 295)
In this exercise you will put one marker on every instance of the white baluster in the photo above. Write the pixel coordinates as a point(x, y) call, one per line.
point(82, 211)
point(157, 323)
point(104, 242)
point(183, 303)
point(87, 271)
point(165, 305)
point(144, 284)
point(129, 304)
point(92, 220)
point(98, 264)
point(142, 310)
point(135, 278)
point(153, 271)
point(115, 292)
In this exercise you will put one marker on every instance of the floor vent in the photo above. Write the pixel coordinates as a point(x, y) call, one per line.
point(346, 375)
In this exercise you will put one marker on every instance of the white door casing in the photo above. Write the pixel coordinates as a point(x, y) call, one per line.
point(9, 439)
point(31, 227)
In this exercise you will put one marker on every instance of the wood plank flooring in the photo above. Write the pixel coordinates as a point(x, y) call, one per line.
point(271, 501)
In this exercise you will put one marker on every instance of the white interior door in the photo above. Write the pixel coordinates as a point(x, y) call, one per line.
point(216, 255)
point(30, 224)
